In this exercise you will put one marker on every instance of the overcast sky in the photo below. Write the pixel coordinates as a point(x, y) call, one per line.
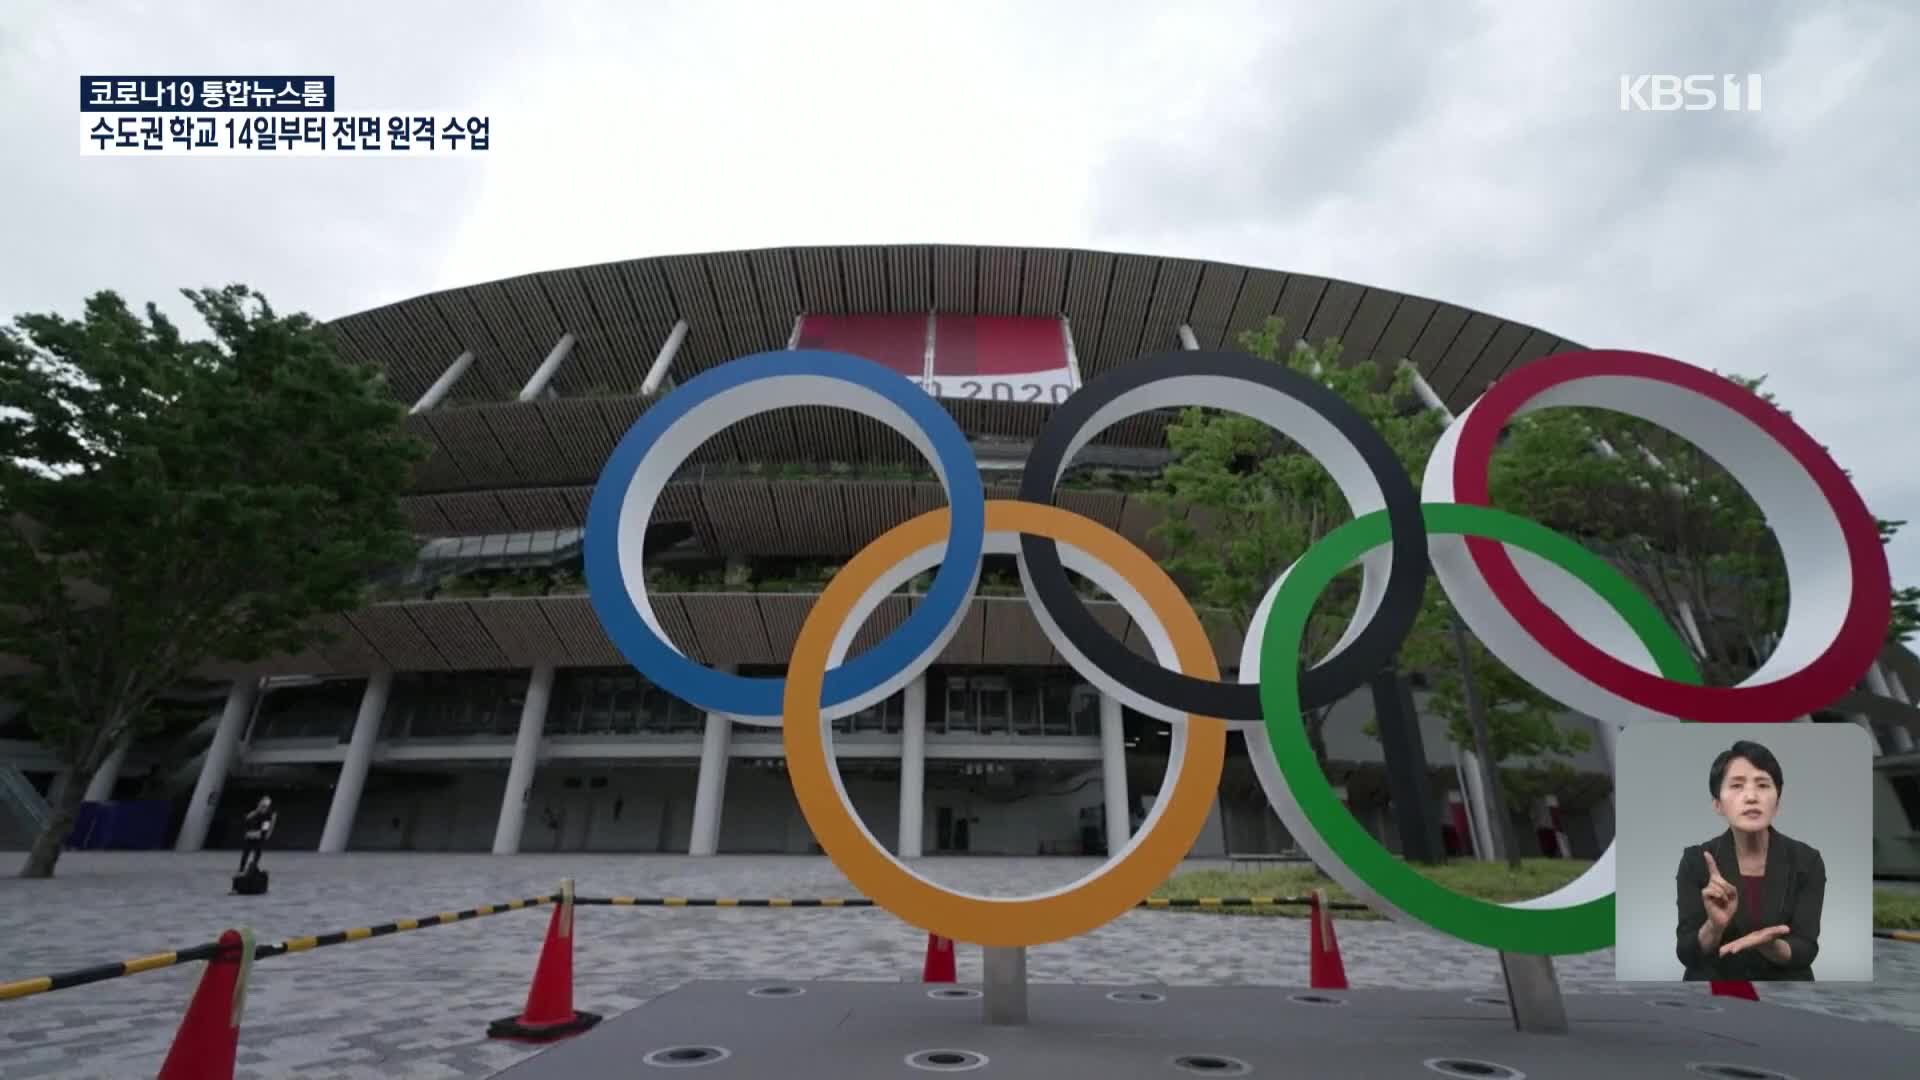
point(1475, 153)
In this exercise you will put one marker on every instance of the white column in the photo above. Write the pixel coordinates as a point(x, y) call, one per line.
point(1187, 340)
point(100, 788)
point(913, 769)
point(543, 374)
point(526, 758)
point(1113, 772)
point(213, 774)
point(663, 363)
point(1606, 734)
point(1425, 393)
point(1902, 739)
point(442, 385)
point(353, 771)
point(1485, 843)
point(1691, 628)
point(711, 790)
point(1877, 681)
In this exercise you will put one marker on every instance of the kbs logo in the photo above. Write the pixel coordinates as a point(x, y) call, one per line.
point(1691, 93)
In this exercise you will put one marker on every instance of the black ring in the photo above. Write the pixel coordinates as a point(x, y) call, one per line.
point(1372, 650)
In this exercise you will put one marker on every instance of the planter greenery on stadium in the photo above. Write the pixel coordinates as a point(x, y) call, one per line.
point(1122, 481)
point(770, 576)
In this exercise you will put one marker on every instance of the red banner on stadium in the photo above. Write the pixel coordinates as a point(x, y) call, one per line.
point(993, 357)
point(898, 341)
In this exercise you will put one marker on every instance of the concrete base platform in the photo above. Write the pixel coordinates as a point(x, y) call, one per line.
point(851, 1031)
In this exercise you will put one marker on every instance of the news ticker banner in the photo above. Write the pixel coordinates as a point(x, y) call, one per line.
point(248, 115)
point(984, 357)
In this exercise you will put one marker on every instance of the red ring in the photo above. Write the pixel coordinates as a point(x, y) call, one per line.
point(1816, 686)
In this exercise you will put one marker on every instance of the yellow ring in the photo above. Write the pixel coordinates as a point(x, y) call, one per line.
point(1015, 921)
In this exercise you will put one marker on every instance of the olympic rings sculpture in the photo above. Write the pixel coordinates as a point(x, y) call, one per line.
point(1555, 613)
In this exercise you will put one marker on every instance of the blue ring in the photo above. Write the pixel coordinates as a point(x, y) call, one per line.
point(717, 691)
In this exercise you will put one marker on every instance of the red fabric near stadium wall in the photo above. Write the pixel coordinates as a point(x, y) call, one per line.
point(898, 341)
point(990, 345)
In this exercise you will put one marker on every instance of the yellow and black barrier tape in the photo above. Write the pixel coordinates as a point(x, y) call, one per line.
point(20, 988)
point(42, 984)
point(1245, 901)
point(861, 901)
point(727, 901)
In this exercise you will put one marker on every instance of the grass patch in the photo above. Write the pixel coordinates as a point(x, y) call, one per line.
point(1486, 880)
point(1895, 910)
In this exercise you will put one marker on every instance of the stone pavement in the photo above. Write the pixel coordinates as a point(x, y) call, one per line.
point(416, 1005)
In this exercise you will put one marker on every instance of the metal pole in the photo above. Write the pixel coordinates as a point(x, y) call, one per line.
point(1405, 752)
point(1004, 989)
point(1533, 994)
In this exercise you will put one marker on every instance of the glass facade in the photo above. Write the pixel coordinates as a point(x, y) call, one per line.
point(617, 701)
point(320, 710)
point(455, 704)
point(1010, 701)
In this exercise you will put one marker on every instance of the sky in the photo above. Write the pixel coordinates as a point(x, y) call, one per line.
point(1471, 152)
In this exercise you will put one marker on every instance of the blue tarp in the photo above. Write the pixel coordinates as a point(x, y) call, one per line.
point(134, 825)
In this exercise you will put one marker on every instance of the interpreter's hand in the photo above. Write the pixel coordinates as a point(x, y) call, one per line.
point(1721, 899)
point(1759, 939)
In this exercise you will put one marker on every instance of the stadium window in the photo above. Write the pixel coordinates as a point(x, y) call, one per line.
point(959, 715)
point(992, 703)
point(1086, 710)
point(1907, 789)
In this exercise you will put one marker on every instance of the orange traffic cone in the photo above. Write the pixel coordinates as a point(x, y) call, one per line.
point(1324, 969)
point(550, 1014)
point(209, 1036)
point(1735, 988)
point(939, 966)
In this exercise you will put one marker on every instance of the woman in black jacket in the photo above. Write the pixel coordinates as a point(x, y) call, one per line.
point(1749, 899)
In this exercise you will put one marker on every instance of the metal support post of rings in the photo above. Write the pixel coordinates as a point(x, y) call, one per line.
point(1519, 586)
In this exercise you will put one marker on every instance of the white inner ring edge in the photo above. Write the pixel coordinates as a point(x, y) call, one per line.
point(1284, 414)
point(1595, 883)
point(714, 415)
point(1812, 547)
point(1000, 542)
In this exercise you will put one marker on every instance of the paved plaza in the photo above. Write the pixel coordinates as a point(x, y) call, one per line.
point(416, 1005)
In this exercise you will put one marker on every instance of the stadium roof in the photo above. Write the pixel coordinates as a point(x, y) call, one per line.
point(1118, 307)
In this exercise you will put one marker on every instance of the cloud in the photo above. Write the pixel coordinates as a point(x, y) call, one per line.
point(1474, 153)
point(1750, 242)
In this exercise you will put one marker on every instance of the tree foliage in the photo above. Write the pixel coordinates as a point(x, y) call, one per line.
point(1243, 502)
point(1671, 518)
point(166, 503)
point(1521, 721)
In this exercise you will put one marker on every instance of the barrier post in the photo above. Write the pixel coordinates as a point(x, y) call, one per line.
point(208, 1041)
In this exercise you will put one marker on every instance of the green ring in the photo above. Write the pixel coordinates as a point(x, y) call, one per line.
point(1580, 928)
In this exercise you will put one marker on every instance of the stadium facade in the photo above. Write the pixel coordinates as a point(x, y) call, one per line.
point(476, 705)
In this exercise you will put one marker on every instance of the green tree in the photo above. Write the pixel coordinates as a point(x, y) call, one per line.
point(1672, 519)
point(166, 503)
point(1242, 502)
point(1520, 721)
